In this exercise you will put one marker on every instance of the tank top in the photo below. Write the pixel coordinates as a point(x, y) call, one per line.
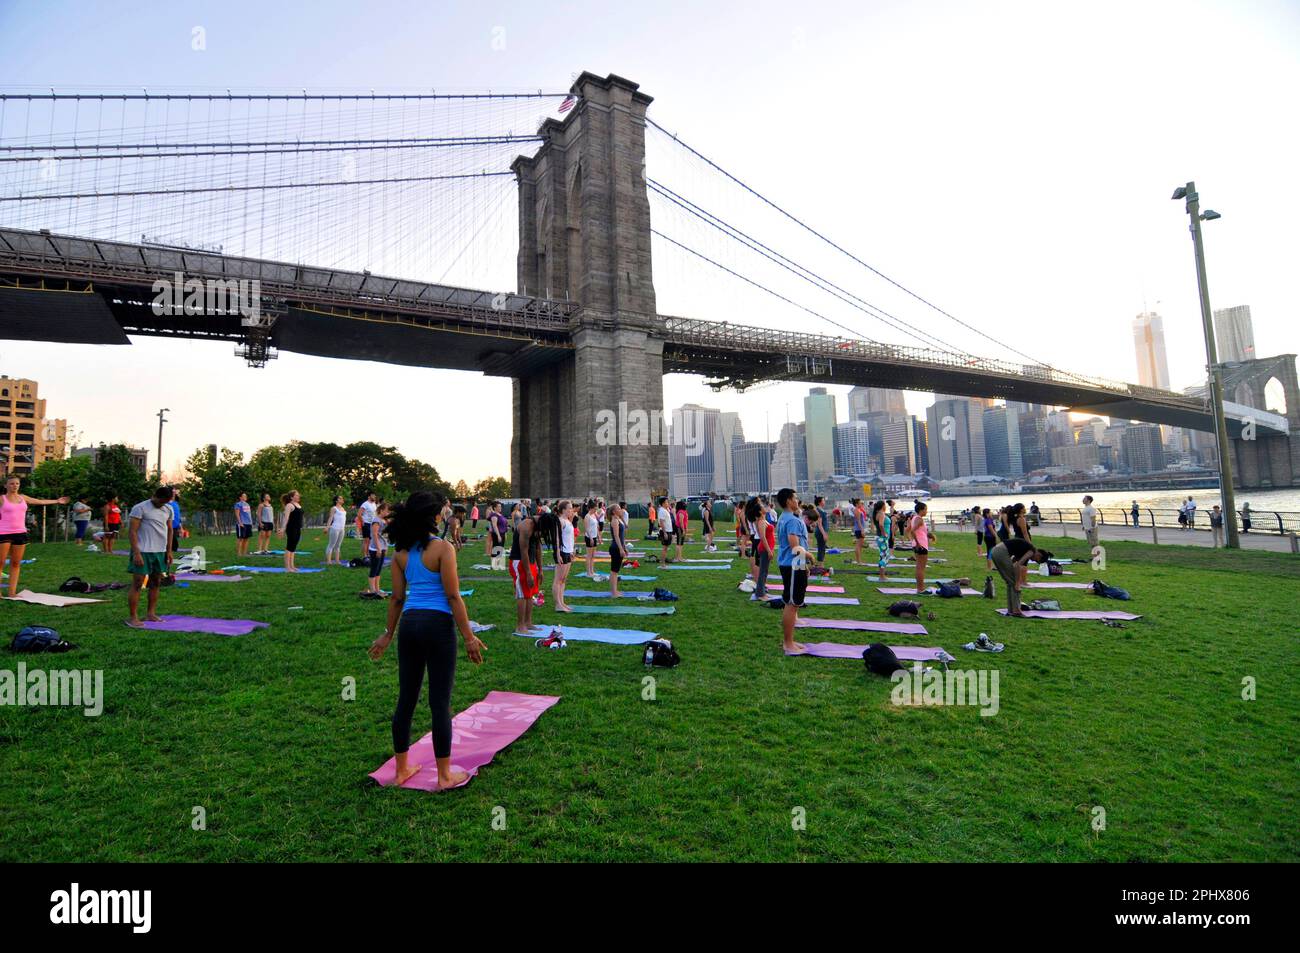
point(337, 516)
point(922, 534)
point(13, 516)
point(566, 537)
point(423, 587)
point(294, 523)
point(114, 515)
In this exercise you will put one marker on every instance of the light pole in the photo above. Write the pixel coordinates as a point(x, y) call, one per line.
point(161, 420)
point(1227, 496)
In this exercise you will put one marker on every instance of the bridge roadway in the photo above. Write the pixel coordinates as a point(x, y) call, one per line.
point(77, 290)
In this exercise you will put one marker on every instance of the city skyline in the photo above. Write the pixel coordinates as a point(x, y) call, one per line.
point(1009, 282)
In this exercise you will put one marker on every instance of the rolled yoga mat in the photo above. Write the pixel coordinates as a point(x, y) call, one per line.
point(907, 653)
point(575, 633)
point(862, 625)
point(477, 734)
point(1076, 614)
point(625, 610)
point(189, 623)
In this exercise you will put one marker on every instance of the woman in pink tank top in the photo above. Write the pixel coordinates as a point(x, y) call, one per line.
point(13, 527)
point(921, 550)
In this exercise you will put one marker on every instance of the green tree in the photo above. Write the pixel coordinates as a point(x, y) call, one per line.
point(491, 488)
point(278, 469)
point(215, 485)
point(115, 473)
point(55, 478)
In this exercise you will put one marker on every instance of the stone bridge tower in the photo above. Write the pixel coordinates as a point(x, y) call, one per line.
point(584, 235)
point(1270, 460)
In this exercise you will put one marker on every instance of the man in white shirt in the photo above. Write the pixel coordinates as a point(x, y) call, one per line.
point(1191, 513)
point(665, 525)
point(151, 551)
point(369, 511)
point(1088, 516)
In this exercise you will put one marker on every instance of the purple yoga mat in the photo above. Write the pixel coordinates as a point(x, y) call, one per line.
point(1059, 585)
point(1068, 614)
point(907, 653)
point(862, 625)
point(189, 623)
point(204, 577)
point(477, 734)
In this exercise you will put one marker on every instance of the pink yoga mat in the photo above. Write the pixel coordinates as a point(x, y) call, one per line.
point(821, 600)
point(477, 734)
point(1059, 585)
point(862, 625)
point(1067, 614)
point(905, 653)
point(827, 589)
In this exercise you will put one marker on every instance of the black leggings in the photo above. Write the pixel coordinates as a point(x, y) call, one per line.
point(292, 536)
point(426, 639)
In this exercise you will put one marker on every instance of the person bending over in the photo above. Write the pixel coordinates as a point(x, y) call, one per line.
point(426, 611)
point(1011, 559)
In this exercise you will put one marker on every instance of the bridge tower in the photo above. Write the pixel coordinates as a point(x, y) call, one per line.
point(584, 235)
point(1270, 460)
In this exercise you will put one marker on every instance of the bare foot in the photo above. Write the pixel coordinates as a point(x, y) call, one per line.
point(795, 648)
point(153, 617)
point(404, 775)
point(563, 609)
point(616, 595)
point(451, 779)
point(135, 623)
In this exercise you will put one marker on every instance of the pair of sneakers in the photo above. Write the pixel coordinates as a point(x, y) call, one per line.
point(984, 644)
point(553, 641)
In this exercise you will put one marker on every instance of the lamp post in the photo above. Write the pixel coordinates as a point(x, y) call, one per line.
point(161, 420)
point(1227, 495)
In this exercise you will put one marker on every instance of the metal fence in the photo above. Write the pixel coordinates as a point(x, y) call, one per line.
point(1268, 522)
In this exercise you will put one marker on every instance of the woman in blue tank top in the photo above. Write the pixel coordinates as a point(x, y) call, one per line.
point(426, 610)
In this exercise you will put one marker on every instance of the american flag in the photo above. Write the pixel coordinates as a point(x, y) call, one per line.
point(569, 102)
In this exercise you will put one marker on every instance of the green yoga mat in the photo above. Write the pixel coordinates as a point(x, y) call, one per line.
point(625, 610)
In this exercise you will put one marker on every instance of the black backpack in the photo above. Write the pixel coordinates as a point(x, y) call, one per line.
point(1054, 568)
point(664, 595)
point(905, 609)
point(39, 638)
point(356, 562)
point(988, 587)
point(74, 584)
point(949, 590)
point(1100, 588)
point(881, 660)
point(661, 654)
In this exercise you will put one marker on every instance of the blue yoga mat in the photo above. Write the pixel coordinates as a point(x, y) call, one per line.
point(726, 568)
point(625, 610)
point(267, 569)
point(604, 594)
point(612, 636)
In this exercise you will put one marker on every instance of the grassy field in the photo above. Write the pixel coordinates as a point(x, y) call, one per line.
point(1147, 722)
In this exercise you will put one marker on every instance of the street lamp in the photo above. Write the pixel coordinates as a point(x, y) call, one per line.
point(161, 420)
point(1227, 496)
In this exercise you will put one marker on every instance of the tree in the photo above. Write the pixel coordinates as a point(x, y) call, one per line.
point(215, 485)
point(277, 470)
point(461, 490)
point(55, 478)
point(491, 488)
point(115, 473)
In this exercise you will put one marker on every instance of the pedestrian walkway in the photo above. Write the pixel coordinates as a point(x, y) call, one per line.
point(1166, 536)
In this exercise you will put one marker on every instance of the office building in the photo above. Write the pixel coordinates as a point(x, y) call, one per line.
point(1002, 442)
point(27, 437)
point(853, 455)
point(1149, 344)
point(819, 433)
point(1233, 334)
point(752, 468)
point(955, 431)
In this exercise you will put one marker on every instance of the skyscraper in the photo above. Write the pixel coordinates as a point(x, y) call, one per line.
point(899, 439)
point(1143, 449)
point(819, 433)
point(1002, 442)
point(875, 400)
point(1149, 342)
point(853, 448)
point(751, 468)
point(790, 459)
point(692, 450)
point(1234, 334)
point(955, 432)
point(920, 440)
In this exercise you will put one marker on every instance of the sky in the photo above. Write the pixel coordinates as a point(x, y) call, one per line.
point(1011, 162)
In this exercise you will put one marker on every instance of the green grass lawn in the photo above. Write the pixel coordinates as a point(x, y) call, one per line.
point(1147, 722)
